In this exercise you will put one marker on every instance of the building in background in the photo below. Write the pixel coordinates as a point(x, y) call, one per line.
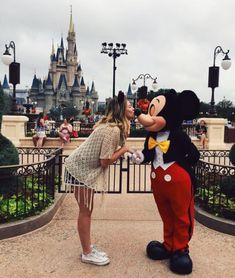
point(65, 82)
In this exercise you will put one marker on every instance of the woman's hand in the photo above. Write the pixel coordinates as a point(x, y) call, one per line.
point(129, 149)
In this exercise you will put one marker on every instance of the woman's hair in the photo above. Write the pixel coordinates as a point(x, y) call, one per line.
point(202, 122)
point(116, 113)
point(40, 116)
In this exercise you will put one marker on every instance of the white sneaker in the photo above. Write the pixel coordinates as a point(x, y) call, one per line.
point(95, 258)
point(95, 249)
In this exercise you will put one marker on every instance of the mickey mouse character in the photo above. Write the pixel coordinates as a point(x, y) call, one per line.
point(172, 155)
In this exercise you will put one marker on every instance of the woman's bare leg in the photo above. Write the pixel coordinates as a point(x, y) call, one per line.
point(84, 217)
point(62, 141)
point(39, 142)
point(203, 141)
point(35, 139)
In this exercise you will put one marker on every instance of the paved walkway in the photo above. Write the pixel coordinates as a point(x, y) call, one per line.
point(122, 227)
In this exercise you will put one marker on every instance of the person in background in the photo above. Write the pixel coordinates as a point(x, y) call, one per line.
point(86, 168)
point(65, 131)
point(201, 133)
point(40, 137)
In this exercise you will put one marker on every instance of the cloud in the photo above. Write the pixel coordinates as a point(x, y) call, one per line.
point(171, 40)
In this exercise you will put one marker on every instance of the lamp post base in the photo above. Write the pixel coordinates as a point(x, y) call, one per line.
point(212, 112)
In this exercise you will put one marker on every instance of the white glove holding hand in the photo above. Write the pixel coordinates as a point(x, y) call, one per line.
point(136, 156)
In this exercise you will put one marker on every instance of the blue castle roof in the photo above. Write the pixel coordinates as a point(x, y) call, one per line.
point(5, 84)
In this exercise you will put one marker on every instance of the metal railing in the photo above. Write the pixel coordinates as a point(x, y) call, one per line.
point(215, 191)
point(28, 188)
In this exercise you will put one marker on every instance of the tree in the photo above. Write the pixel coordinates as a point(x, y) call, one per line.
point(224, 108)
point(8, 155)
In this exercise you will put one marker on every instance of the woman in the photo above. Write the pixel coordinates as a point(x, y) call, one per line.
point(65, 131)
point(87, 166)
point(201, 132)
point(39, 138)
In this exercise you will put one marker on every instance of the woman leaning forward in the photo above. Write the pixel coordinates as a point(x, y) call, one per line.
point(87, 166)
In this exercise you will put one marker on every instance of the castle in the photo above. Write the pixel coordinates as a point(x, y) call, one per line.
point(64, 83)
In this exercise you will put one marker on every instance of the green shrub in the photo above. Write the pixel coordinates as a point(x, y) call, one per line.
point(227, 186)
point(138, 132)
point(232, 155)
point(8, 156)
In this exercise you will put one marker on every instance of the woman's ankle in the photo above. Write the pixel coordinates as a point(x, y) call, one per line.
point(86, 251)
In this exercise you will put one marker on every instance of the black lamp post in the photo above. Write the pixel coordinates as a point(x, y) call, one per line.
point(144, 77)
point(213, 77)
point(14, 72)
point(28, 105)
point(114, 52)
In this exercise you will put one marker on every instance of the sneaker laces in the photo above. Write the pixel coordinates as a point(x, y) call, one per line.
point(97, 250)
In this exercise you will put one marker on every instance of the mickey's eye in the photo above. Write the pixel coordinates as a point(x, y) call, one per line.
point(151, 109)
point(156, 105)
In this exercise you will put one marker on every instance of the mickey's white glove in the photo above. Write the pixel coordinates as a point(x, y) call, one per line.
point(136, 157)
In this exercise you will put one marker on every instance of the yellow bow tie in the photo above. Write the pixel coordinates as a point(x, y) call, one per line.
point(164, 145)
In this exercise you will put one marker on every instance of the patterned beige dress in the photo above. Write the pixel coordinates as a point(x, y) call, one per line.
point(83, 168)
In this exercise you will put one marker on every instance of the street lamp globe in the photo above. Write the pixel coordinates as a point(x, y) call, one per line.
point(7, 58)
point(226, 62)
point(154, 85)
point(134, 86)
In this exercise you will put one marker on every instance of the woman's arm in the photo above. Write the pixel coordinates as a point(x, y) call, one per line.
point(117, 154)
point(61, 127)
point(70, 128)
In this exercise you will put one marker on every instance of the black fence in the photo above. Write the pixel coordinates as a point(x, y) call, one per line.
point(216, 184)
point(28, 188)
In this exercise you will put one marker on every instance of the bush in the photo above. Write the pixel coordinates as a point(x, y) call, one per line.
point(228, 186)
point(8, 156)
point(232, 155)
point(138, 132)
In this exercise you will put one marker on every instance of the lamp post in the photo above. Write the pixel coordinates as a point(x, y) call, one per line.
point(93, 106)
point(144, 77)
point(114, 52)
point(14, 72)
point(28, 105)
point(213, 77)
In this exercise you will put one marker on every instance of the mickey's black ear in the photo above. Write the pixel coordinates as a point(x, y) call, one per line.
point(121, 97)
point(189, 105)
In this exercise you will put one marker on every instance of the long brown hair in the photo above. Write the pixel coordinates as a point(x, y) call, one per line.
point(116, 114)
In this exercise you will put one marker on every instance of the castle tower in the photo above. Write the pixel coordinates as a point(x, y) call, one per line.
point(48, 94)
point(71, 55)
point(75, 92)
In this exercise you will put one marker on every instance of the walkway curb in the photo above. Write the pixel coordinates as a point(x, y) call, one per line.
point(31, 223)
point(215, 223)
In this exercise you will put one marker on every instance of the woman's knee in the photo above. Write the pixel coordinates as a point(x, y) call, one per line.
point(84, 197)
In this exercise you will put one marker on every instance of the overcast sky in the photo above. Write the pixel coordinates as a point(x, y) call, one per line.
point(173, 40)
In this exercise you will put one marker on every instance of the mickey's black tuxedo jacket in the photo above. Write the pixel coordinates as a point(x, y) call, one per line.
point(181, 150)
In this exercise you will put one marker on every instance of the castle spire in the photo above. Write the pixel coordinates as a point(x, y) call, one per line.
point(52, 48)
point(71, 25)
point(62, 42)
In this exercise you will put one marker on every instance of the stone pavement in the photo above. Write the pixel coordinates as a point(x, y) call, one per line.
point(122, 227)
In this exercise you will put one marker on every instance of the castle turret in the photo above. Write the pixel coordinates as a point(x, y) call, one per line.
point(71, 58)
point(94, 97)
point(79, 71)
point(48, 94)
point(52, 69)
point(5, 85)
point(75, 93)
point(82, 87)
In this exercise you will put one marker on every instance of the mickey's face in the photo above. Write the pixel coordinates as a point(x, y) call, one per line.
point(151, 121)
point(156, 105)
point(167, 111)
